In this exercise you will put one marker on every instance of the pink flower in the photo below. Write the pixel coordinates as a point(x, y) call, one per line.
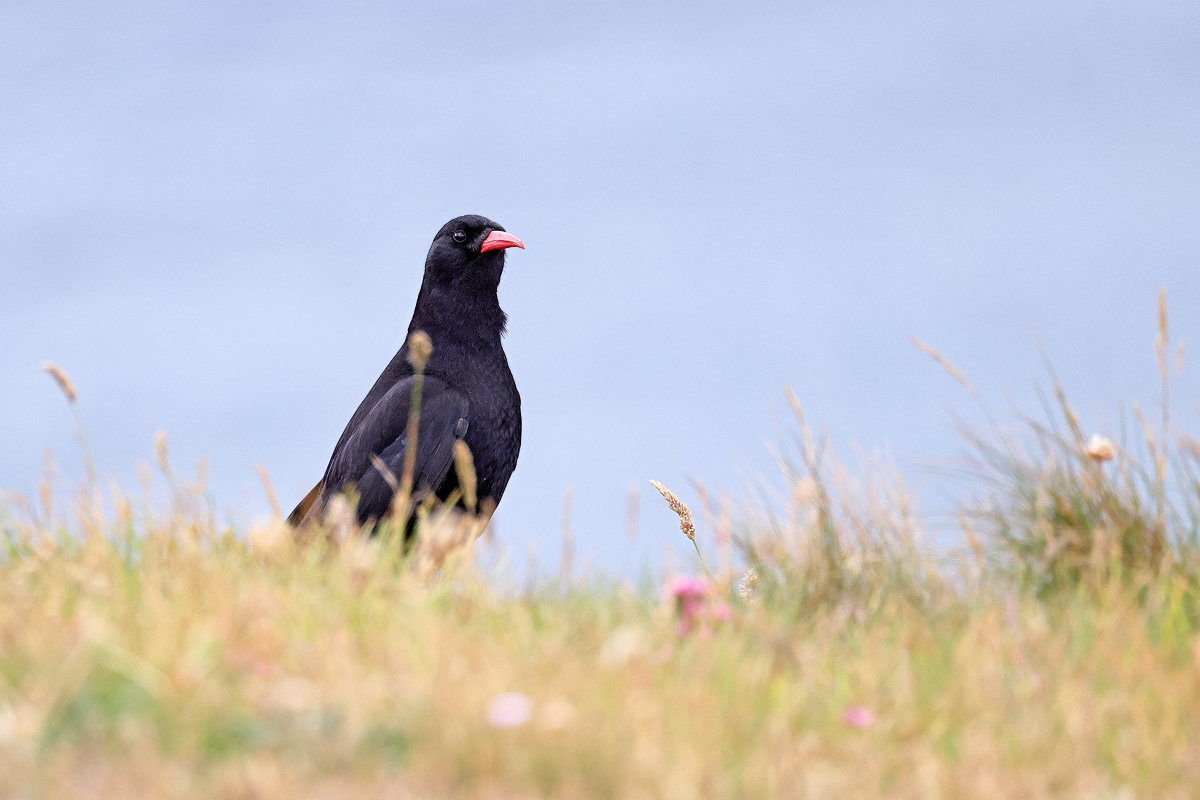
point(858, 717)
point(685, 587)
point(689, 594)
point(509, 710)
point(695, 603)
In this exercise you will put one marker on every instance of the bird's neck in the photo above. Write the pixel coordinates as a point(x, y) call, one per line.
point(455, 315)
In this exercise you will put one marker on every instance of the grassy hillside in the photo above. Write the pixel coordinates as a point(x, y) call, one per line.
point(828, 653)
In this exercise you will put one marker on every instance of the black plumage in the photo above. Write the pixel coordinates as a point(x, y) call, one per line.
point(468, 391)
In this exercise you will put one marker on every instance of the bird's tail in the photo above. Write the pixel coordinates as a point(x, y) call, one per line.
point(300, 512)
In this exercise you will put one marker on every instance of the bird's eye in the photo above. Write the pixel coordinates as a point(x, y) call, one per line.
point(459, 237)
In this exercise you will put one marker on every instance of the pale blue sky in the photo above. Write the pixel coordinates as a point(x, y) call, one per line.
point(214, 216)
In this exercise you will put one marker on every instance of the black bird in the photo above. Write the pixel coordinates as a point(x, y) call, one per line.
point(468, 391)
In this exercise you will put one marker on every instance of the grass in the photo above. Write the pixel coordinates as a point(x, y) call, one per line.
point(828, 653)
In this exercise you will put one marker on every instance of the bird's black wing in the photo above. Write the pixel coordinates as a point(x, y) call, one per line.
point(383, 432)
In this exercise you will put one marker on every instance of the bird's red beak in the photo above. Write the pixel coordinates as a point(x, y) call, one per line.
point(498, 240)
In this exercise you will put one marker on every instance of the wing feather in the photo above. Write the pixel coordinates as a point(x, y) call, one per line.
point(383, 431)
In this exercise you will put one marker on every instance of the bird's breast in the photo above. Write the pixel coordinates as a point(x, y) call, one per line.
point(494, 429)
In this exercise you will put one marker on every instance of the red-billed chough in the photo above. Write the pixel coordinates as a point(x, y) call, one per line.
point(468, 391)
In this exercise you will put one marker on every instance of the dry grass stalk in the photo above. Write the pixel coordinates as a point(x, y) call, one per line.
point(269, 490)
point(973, 542)
point(946, 364)
point(1069, 415)
point(1163, 337)
point(724, 536)
point(566, 559)
point(1189, 445)
point(420, 347)
point(389, 477)
point(67, 386)
point(161, 455)
point(806, 440)
point(464, 467)
point(1161, 342)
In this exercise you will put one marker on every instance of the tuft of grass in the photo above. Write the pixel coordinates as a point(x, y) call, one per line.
point(1058, 508)
point(834, 539)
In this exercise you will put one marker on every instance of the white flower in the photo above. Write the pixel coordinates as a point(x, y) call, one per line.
point(1099, 449)
point(509, 710)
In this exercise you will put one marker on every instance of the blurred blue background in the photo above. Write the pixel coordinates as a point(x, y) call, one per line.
point(214, 217)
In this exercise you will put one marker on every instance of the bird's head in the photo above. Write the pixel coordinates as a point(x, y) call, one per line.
point(468, 252)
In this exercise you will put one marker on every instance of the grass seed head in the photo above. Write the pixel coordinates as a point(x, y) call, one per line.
point(1164, 336)
point(945, 363)
point(420, 347)
point(62, 379)
point(748, 585)
point(464, 466)
point(675, 504)
point(160, 451)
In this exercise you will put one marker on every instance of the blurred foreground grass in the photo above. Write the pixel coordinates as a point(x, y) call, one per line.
point(833, 654)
